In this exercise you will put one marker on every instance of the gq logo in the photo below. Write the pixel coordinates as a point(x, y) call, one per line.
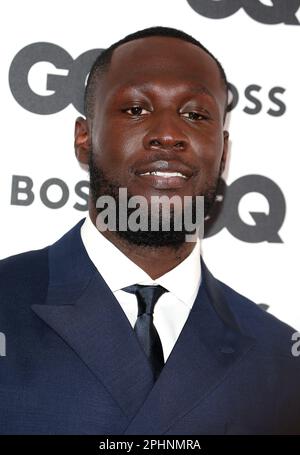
point(225, 213)
point(69, 88)
point(281, 11)
point(66, 89)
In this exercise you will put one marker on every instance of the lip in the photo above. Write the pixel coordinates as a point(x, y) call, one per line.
point(166, 167)
point(163, 183)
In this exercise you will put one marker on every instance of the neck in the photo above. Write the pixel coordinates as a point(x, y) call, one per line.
point(155, 261)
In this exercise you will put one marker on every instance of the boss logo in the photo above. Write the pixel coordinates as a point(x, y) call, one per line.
point(69, 88)
point(23, 193)
point(251, 104)
point(281, 11)
point(226, 214)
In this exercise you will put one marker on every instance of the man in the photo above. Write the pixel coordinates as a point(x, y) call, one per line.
point(84, 356)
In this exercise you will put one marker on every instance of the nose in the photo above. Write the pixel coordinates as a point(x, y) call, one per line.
point(166, 132)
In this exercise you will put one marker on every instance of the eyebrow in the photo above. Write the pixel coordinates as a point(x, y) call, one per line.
point(203, 90)
point(199, 89)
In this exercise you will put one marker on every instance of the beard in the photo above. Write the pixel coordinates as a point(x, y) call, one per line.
point(100, 185)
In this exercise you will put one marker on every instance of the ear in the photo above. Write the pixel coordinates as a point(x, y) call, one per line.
point(82, 140)
point(225, 150)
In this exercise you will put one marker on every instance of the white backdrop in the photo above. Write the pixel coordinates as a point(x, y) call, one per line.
point(40, 147)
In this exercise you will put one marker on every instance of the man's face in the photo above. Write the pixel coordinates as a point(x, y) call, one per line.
point(159, 110)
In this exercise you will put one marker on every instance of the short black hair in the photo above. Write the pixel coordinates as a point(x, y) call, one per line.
point(101, 64)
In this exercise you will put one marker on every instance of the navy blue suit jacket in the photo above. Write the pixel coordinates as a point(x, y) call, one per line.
point(73, 364)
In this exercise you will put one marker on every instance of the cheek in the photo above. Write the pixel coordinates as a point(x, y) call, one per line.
point(114, 149)
point(209, 151)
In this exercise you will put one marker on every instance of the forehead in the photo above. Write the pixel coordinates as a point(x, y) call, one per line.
point(162, 60)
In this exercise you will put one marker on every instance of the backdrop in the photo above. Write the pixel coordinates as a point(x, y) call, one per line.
point(46, 51)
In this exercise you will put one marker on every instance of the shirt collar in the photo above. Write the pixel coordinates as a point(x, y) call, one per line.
point(119, 271)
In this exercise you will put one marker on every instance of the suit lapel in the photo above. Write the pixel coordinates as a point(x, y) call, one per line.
point(208, 347)
point(84, 312)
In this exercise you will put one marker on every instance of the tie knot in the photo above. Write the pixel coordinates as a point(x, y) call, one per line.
point(147, 296)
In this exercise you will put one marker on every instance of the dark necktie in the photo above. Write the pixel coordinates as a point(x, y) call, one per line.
point(144, 328)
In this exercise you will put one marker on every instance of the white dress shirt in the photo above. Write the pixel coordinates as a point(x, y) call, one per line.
point(172, 308)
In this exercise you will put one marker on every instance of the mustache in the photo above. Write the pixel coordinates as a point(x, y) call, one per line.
point(97, 174)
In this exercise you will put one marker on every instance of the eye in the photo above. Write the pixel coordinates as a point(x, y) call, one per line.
point(136, 111)
point(194, 115)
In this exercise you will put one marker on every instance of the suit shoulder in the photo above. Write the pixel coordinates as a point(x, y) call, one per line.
point(248, 311)
point(274, 337)
point(22, 272)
